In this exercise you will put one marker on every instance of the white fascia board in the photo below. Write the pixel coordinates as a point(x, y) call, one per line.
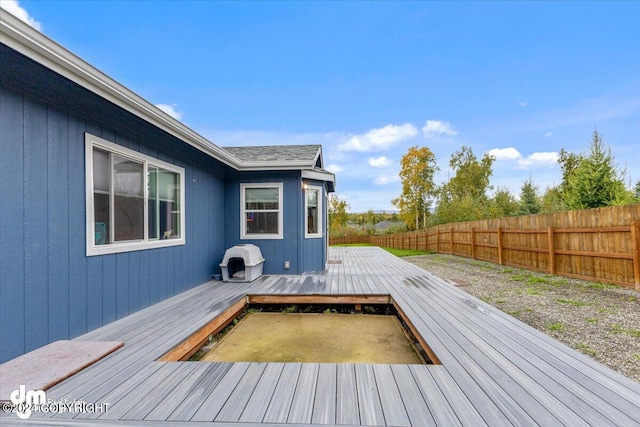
point(319, 176)
point(33, 44)
point(275, 165)
point(319, 154)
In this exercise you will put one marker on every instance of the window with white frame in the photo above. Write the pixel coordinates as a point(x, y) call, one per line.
point(134, 201)
point(313, 211)
point(261, 211)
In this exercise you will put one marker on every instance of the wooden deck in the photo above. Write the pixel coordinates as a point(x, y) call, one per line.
point(495, 370)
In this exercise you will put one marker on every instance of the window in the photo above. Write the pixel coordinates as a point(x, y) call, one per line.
point(261, 211)
point(313, 209)
point(134, 201)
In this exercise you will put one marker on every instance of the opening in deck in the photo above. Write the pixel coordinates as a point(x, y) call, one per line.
point(308, 328)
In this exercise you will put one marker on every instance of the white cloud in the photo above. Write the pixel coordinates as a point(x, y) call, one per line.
point(170, 110)
point(333, 168)
point(509, 153)
point(14, 8)
point(522, 104)
point(544, 157)
point(379, 162)
point(385, 179)
point(379, 139)
point(548, 134)
point(434, 128)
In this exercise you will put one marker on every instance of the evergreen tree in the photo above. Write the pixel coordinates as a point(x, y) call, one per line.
point(594, 181)
point(529, 200)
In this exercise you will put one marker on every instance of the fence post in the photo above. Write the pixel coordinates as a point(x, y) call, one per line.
point(635, 241)
point(438, 240)
point(451, 241)
point(500, 260)
point(552, 251)
point(473, 242)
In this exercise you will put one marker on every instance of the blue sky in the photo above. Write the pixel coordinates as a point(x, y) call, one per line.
point(368, 80)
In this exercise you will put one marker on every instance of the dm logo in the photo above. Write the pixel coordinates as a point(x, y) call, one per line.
point(25, 400)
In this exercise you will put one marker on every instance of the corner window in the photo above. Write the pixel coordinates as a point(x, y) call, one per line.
point(134, 201)
point(313, 211)
point(261, 211)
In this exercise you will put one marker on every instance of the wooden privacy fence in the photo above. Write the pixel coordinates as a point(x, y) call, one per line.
point(596, 244)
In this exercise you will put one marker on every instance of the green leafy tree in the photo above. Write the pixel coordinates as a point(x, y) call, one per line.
point(593, 180)
point(463, 197)
point(551, 201)
point(502, 204)
point(417, 168)
point(471, 175)
point(338, 215)
point(636, 192)
point(529, 200)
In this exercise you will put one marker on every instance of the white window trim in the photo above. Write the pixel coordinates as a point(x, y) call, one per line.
point(243, 222)
point(92, 141)
point(320, 191)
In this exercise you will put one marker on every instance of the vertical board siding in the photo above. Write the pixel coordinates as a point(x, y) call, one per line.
point(274, 251)
point(12, 337)
point(35, 225)
point(58, 230)
point(313, 254)
point(49, 288)
point(82, 306)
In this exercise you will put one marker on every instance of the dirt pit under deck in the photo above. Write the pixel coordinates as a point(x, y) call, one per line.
point(315, 338)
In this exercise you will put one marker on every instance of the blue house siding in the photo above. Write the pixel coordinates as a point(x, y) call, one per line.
point(275, 251)
point(49, 288)
point(304, 254)
point(313, 249)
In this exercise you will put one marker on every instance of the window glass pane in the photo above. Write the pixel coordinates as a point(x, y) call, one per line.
point(261, 222)
point(154, 226)
point(101, 200)
point(101, 170)
point(101, 218)
point(128, 199)
point(164, 204)
point(312, 211)
point(261, 198)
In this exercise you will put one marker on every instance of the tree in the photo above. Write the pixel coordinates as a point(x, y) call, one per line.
point(471, 175)
point(592, 180)
point(338, 215)
point(636, 192)
point(417, 168)
point(502, 204)
point(529, 200)
point(551, 201)
point(463, 197)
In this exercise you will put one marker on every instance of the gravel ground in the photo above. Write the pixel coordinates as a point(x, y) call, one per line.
point(601, 321)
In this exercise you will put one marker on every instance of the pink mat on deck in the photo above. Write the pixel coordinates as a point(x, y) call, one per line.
point(46, 366)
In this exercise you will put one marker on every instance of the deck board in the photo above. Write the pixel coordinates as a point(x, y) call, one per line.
point(259, 402)
point(324, 404)
point(278, 409)
point(495, 370)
